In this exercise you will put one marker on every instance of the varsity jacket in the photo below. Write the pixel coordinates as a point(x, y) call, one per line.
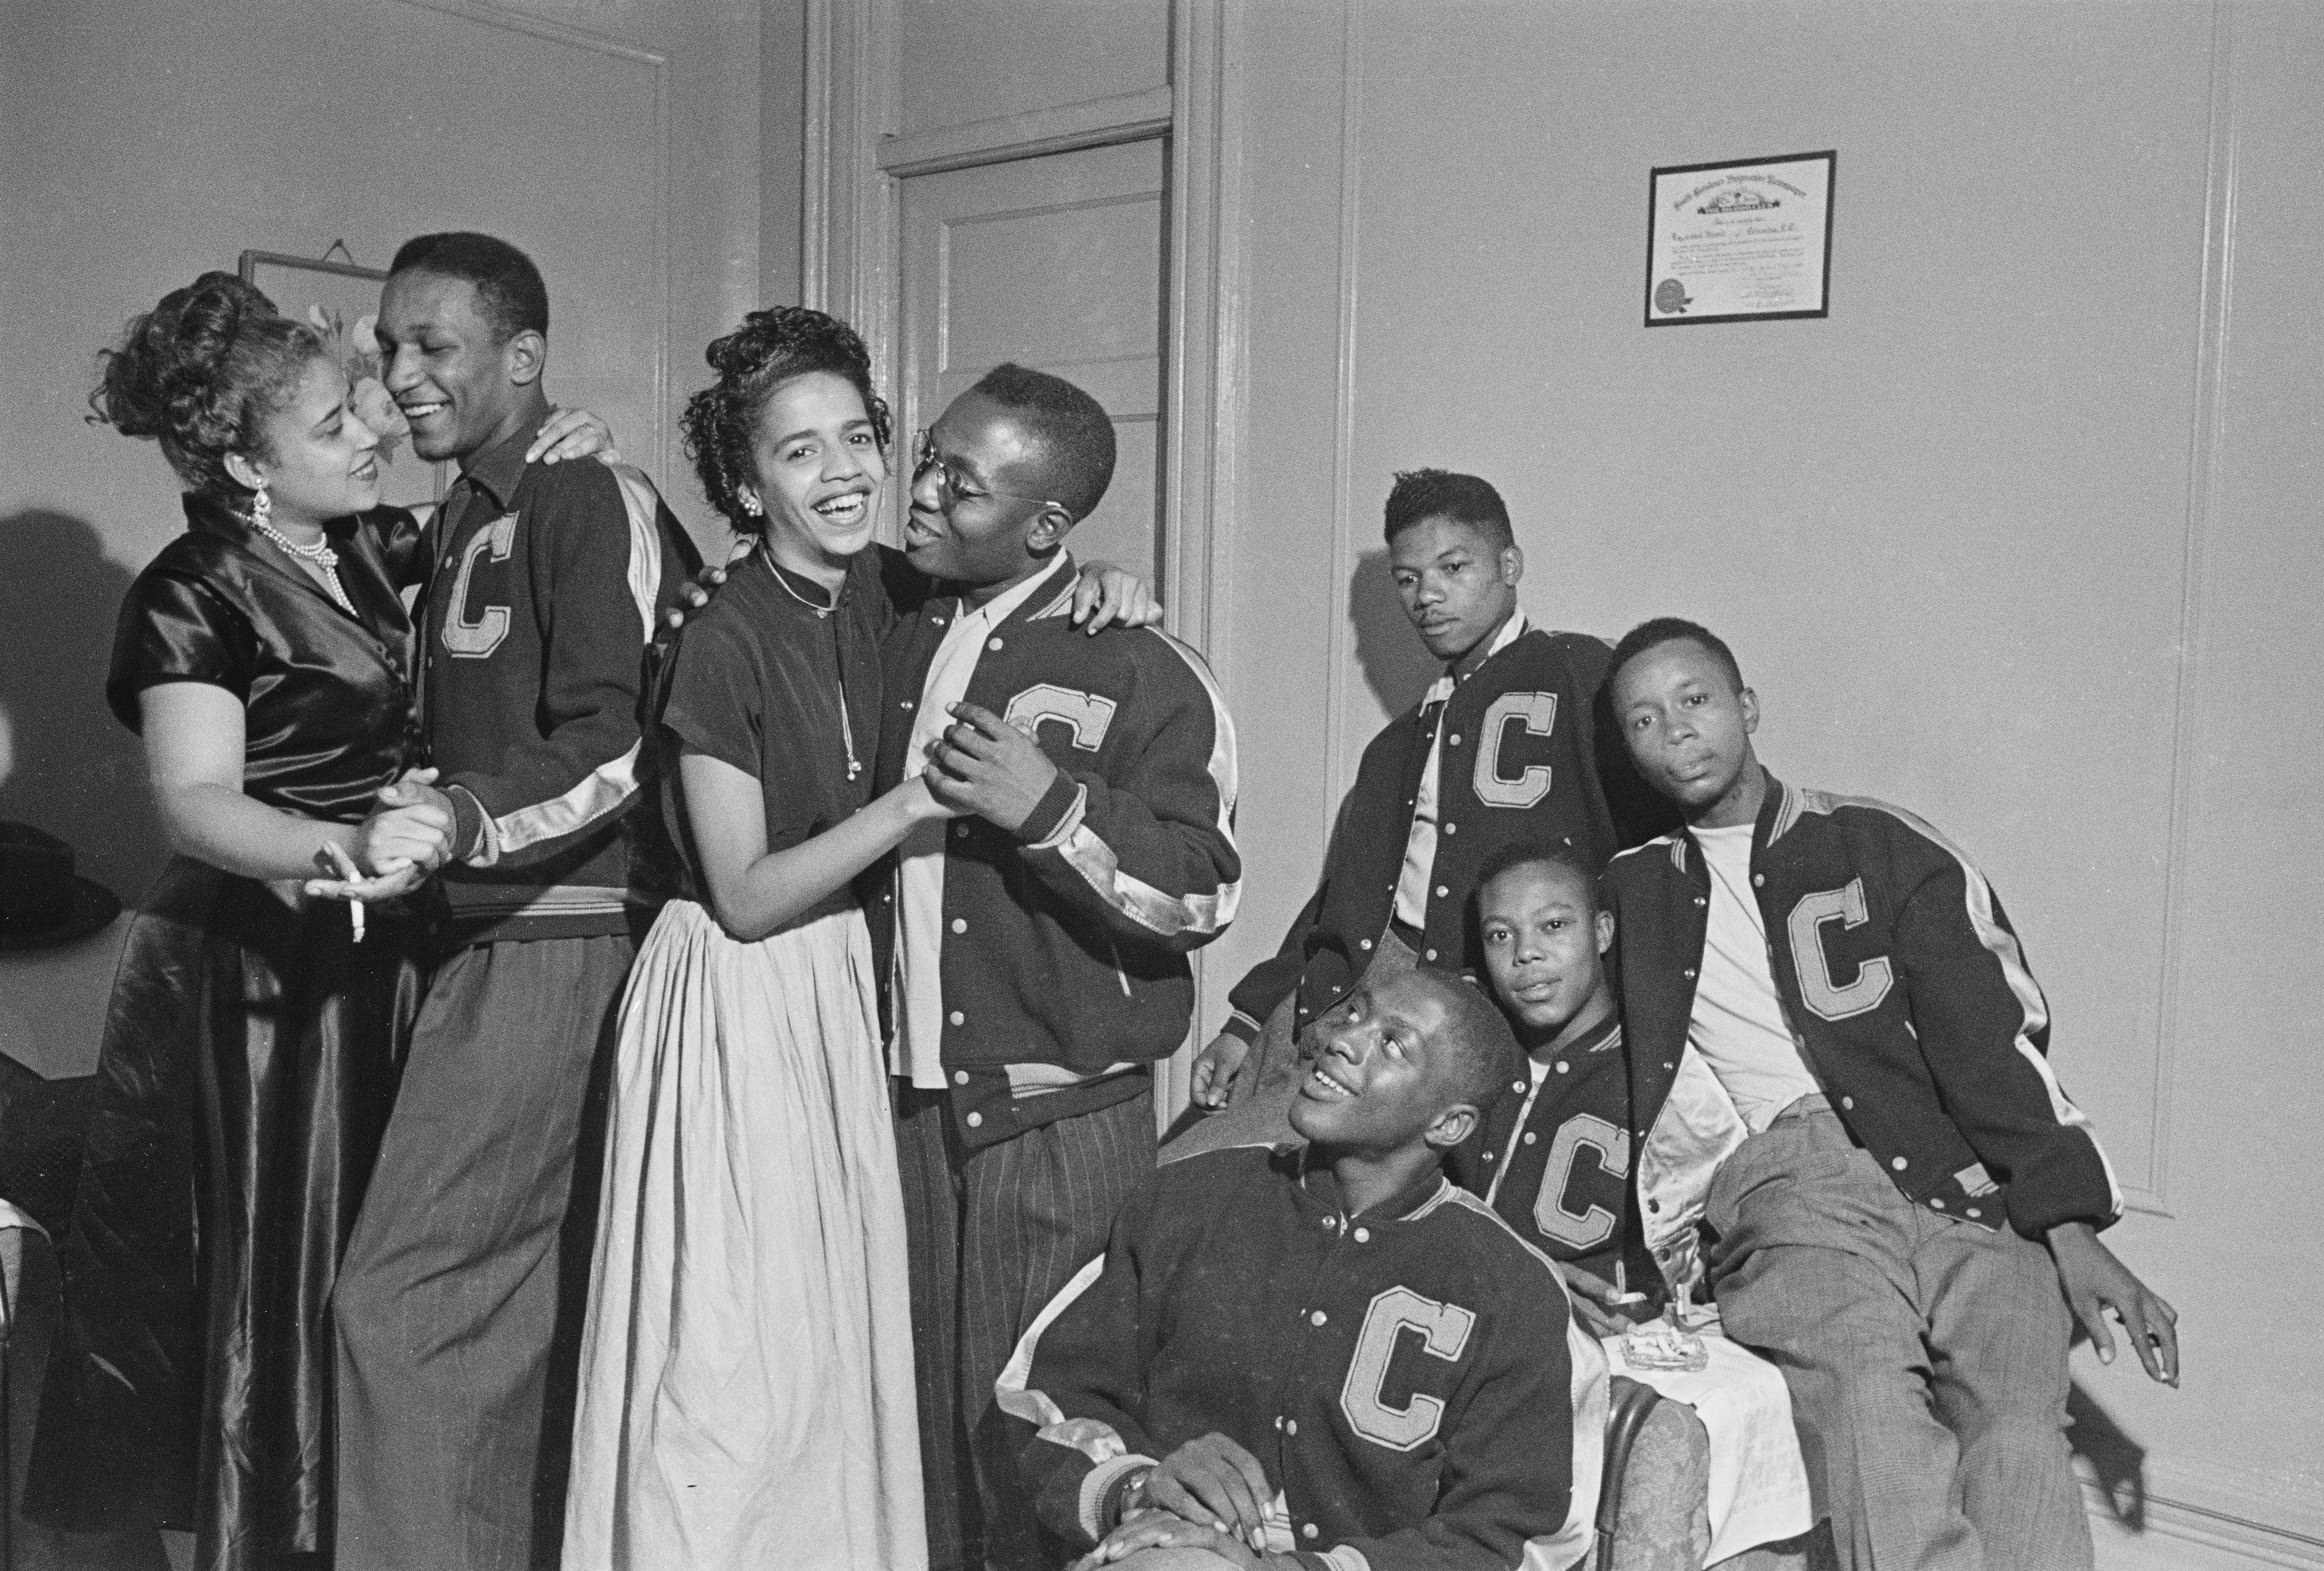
point(542, 587)
point(1908, 995)
point(1553, 1158)
point(1065, 943)
point(1410, 1377)
point(1524, 738)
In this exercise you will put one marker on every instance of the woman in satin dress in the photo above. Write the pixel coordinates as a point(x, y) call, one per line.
point(252, 1043)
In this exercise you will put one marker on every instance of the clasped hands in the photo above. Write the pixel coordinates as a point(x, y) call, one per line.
point(1210, 1494)
point(985, 765)
point(408, 837)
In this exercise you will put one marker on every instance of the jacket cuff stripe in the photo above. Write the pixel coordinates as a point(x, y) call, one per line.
point(595, 796)
point(1140, 901)
point(1057, 815)
point(1098, 1484)
point(641, 502)
point(1012, 1389)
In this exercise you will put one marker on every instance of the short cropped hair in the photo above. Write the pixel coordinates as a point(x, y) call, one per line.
point(1422, 493)
point(1663, 630)
point(1072, 429)
point(201, 374)
point(1509, 859)
point(507, 285)
point(772, 346)
point(1484, 1050)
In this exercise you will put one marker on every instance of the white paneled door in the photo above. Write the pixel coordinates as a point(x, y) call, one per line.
point(1055, 263)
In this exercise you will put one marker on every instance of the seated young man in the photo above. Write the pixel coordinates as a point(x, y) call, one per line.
point(1838, 1065)
point(1327, 1356)
point(1552, 1150)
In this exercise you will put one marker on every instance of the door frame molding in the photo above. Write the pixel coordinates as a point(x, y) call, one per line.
point(852, 235)
point(852, 231)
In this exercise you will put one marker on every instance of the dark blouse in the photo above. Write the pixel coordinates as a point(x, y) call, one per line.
point(328, 711)
point(755, 681)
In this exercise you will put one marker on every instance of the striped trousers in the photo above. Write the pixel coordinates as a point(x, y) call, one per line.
point(993, 1235)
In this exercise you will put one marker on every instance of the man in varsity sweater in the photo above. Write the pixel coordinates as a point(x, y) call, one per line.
point(1326, 1355)
point(1840, 1073)
point(1036, 946)
point(1504, 749)
point(542, 587)
point(1551, 1151)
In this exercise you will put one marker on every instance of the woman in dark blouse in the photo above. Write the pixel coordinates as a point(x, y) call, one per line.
point(251, 1046)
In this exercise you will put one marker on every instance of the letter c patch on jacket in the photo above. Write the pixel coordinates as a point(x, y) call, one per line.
point(1085, 714)
point(1444, 1331)
point(475, 639)
point(1528, 785)
point(1822, 994)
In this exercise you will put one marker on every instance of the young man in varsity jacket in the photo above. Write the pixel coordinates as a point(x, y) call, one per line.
point(1326, 1355)
point(1551, 1151)
point(1839, 1074)
point(1507, 747)
point(542, 584)
point(1035, 946)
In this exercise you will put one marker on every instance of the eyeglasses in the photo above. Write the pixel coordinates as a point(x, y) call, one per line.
point(956, 487)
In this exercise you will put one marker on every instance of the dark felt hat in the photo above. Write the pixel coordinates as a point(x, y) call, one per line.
point(42, 900)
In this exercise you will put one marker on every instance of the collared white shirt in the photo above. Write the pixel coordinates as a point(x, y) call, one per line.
point(1420, 847)
point(918, 1049)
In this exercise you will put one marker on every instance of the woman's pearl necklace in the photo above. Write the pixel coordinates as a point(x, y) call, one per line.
point(320, 553)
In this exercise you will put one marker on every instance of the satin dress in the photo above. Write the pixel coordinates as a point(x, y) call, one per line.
point(248, 1064)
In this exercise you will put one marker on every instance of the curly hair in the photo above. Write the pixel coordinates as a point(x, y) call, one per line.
point(200, 374)
point(771, 347)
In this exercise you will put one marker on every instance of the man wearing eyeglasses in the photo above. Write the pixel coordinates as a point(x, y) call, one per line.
point(1034, 947)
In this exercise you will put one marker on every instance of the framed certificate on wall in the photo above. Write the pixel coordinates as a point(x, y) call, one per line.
point(1747, 240)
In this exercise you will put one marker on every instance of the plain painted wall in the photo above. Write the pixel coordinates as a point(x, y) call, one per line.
point(1971, 536)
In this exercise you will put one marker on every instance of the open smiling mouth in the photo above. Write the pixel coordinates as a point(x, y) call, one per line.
point(845, 510)
point(419, 412)
point(1321, 1081)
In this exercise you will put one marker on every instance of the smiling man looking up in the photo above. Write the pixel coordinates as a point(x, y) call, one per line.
point(1036, 947)
point(542, 587)
point(1324, 1356)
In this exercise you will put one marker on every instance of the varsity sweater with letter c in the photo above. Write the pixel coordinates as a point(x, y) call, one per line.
point(1411, 1378)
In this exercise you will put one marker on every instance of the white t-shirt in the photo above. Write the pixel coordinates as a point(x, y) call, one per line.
point(1738, 1024)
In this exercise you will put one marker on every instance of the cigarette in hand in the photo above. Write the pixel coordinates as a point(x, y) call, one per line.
point(352, 873)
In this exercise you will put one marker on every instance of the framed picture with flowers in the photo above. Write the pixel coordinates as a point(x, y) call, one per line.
point(340, 300)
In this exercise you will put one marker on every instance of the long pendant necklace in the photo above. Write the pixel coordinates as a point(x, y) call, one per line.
point(320, 553)
point(823, 614)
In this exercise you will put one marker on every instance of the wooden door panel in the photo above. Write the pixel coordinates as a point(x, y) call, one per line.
point(1055, 263)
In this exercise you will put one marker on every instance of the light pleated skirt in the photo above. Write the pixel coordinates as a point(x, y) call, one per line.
point(746, 1391)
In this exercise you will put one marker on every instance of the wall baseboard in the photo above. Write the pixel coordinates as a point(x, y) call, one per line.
point(2222, 1508)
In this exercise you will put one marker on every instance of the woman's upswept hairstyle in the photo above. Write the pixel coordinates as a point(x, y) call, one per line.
point(200, 372)
point(770, 348)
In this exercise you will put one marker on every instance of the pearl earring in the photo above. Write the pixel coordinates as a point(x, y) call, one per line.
point(753, 506)
point(262, 507)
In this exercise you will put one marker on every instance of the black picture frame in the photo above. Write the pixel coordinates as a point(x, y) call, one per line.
point(1664, 274)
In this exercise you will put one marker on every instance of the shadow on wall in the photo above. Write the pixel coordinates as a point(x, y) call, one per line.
point(66, 764)
point(2116, 1461)
point(1397, 666)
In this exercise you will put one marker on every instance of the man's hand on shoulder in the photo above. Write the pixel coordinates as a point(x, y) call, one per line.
point(982, 764)
point(694, 594)
point(1105, 595)
point(2095, 1282)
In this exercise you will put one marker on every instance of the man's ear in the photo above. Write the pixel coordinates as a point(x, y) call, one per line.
point(1048, 530)
point(524, 357)
point(1451, 1126)
point(1512, 565)
point(1605, 931)
point(1750, 709)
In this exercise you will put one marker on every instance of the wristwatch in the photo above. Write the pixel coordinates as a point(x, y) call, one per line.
point(1133, 1494)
